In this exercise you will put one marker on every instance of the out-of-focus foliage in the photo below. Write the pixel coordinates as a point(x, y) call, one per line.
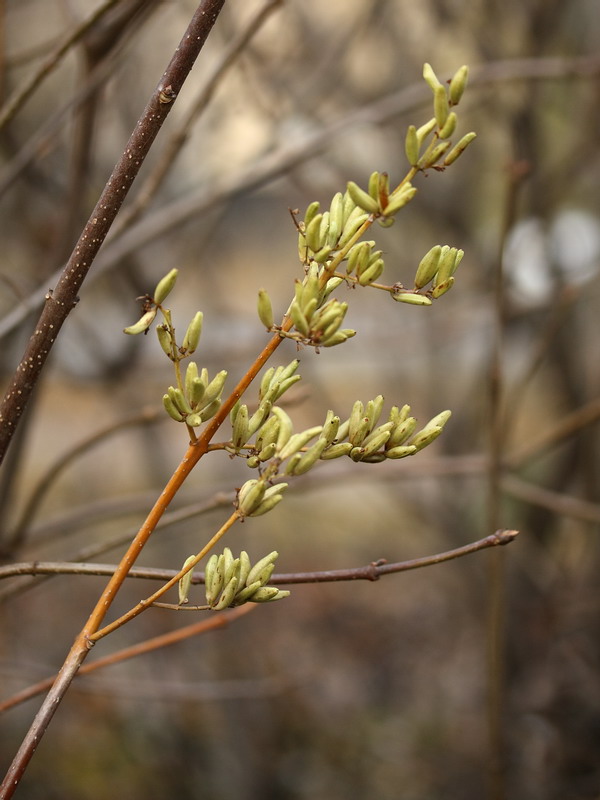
point(343, 691)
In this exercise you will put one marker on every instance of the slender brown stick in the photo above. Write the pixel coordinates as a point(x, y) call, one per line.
point(369, 572)
point(218, 620)
point(178, 138)
point(147, 416)
point(286, 157)
point(24, 92)
point(62, 300)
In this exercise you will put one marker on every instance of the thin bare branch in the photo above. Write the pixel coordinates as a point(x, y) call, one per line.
point(214, 622)
point(24, 92)
point(369, 572)
point(289, 155)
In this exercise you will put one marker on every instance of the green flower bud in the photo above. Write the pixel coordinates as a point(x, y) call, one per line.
point(441, 288)
point(213, 580)
point(449, 126)
point(298, 441)
point(362, 199)
point(401, 452)
point(429, 159)
point(313, 233)
point(164, 286)
point(412, 298)
point(336, 451)
point(411, 145)
point(165, 340)
point(192, 335)
point(142, 324)
point(172, 409)
point(430, 76)
point(227, 596)
point(458, 84)
point(354, 222)
point(428, 266)
point(311, 213)
point(250, 495)
point(265, 309)
point(440, 105)
point(459, 148)
point(268, 594)
point(259, 571)
point(424, 131)
point(373, 186)
point(186, 581)
point(400, 198)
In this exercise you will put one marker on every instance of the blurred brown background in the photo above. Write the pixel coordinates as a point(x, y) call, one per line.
point(344, 690)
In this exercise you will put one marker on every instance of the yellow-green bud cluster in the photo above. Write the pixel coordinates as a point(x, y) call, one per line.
point(318, 320)
point(437, 267)
point(233, 581)
point(200, 398)
point(442, 125)
point(378, 201)
point(274, 383)
point(321, 234)
point(366, 263)
point(372, 442)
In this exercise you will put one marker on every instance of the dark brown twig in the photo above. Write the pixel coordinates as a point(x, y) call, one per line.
point(61, 301)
